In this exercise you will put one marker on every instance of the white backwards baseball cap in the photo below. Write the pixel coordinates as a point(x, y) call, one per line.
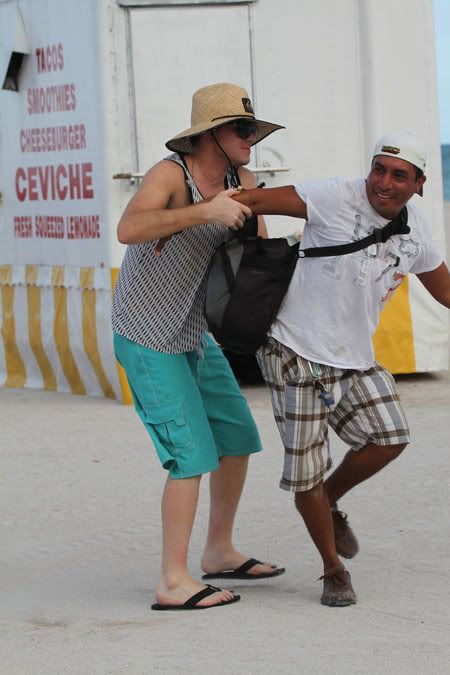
point(403, 145)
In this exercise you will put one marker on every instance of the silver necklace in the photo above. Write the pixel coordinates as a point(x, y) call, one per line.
point(201, 182)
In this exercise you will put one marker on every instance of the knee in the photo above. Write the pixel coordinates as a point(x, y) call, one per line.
point(234, 460)
point(307, 497)
point(391, 452)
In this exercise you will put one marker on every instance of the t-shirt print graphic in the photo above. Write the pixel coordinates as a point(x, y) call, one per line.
point(409, 248)
point(333, 266)
point(398, 277)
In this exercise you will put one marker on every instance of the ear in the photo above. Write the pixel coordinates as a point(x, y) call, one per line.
point(419, 185)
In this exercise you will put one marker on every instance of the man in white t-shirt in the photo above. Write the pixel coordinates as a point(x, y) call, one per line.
point(319, 362)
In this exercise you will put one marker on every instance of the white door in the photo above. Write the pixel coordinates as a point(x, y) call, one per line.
point(176, 50)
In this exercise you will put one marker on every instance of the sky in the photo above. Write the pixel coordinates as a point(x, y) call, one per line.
point(442, 31)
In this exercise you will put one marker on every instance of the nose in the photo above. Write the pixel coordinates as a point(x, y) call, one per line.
point(385, 181)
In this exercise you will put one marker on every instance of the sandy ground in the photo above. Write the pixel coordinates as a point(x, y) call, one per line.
point(80, 492)
point(80, 552)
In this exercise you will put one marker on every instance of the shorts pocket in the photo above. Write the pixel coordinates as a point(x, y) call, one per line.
point(171, 427)
point(269, 347)
point(292, 371)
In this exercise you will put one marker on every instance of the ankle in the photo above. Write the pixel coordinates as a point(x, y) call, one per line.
point(331, 563)
point(218, 548)
point(329, 571)
point(171, 579)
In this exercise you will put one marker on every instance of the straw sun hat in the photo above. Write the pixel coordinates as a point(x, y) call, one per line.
point(215, 105)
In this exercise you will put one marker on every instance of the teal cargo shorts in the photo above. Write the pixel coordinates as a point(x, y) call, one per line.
point(190, 404)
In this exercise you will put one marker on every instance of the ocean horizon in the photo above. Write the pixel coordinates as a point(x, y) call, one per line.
point(445, 154)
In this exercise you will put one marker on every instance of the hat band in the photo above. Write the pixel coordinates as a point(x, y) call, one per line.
point(224, 117)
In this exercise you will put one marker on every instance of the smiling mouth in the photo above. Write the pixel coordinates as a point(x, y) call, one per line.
point(383, 196)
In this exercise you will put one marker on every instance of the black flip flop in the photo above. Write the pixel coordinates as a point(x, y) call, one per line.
point(242, 572)
point(193, 600)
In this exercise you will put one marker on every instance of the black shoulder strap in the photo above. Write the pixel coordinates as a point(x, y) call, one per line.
point(399, 225)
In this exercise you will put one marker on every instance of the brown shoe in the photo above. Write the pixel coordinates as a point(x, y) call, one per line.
point(337, 588)
point(346, 542)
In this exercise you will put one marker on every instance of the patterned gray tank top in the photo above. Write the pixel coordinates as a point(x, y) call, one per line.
point(158, 300)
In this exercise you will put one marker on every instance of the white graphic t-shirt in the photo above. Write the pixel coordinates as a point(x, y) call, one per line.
point(332, 306)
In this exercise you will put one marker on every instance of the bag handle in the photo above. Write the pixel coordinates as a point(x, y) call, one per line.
point(398, 225)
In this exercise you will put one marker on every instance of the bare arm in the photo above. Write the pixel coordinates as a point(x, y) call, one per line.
point(282, 201)
point(437, 283)
point(157, 209)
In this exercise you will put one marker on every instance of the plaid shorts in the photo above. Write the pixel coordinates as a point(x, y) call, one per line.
point(367, 409)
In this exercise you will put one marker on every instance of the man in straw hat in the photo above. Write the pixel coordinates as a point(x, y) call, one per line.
point(318, 360)
point(182, 386)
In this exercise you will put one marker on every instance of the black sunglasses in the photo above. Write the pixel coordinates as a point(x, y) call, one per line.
point(244, 128)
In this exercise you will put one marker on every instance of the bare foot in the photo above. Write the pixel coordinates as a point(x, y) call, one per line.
point(215, 561)
point(181, 592)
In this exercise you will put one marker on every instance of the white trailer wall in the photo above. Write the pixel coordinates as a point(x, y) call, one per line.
point(55, 265)
point(337, 74)
point(356, 69)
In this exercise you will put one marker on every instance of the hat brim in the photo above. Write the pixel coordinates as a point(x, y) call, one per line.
point(182, 141)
